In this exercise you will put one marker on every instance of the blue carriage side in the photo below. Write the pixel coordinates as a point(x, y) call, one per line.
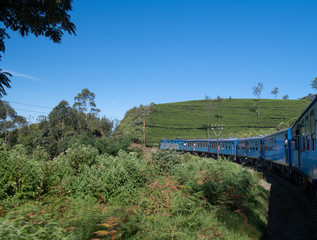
point(227, 148)
point(196, 145)
point(176, 144)
point(303, 148)
point(275, 148)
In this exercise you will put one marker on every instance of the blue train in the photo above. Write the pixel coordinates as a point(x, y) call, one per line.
point(292, 151)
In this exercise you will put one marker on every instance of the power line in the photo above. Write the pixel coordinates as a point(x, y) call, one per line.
point(30, 111)
point(25, 104)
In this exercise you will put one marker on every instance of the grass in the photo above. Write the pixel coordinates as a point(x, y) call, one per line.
point(239, 117)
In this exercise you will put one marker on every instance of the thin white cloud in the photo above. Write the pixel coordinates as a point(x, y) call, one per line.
point(15, 74)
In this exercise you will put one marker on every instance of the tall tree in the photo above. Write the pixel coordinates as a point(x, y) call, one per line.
point(209, 109)
point(257, 91)
point(85, 102)
point(47, 18)
point(9, 120)
point(275, 91)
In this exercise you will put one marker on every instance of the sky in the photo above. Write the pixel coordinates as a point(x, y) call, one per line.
point(137, 52)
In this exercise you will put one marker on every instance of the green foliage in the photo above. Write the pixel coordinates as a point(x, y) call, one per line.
point(132, 124)
point(20, 175)
point(113, 145)
point(30, 222)
point(110, 178)
point(4, 76)
point(314, 83)
point(82, 194)
point(66, 126)
point(205, 199)
point(85, 102)
point(188, 120)
point(166, 160)
point(80, 155)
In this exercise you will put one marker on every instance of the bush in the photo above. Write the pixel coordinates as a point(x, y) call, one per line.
point(166, 161)
point(110, 178)
point(29, 221)
point(20, 175)
point(80, 155)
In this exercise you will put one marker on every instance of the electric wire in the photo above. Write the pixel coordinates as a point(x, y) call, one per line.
point(26, 104)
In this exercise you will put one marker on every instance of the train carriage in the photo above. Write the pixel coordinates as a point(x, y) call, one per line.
point(196, 145)
point(292, 151)
point(275, 148)
point(303, 148)
point(177, 144)
point(228, 148)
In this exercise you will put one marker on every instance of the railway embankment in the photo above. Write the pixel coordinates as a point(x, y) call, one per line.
point(291, 213)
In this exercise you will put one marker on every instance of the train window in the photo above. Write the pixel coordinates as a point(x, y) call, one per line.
point(302, 134)
point(306, 125)
point(312, 129)
point(306, 133)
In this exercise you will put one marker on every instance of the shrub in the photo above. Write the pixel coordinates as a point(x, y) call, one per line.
point(110, 178)
point(166, 161)
point(29, 221)
point(20, 175)
point(79, 155)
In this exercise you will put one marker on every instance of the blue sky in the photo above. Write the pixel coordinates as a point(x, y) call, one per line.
point(137, 52)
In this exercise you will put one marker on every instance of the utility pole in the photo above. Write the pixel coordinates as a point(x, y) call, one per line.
point(217, 129)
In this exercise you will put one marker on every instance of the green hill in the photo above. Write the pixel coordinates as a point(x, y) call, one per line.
point(190, 119)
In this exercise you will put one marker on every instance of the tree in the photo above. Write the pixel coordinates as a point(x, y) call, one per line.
point(257, 90)
point(47, 18)
point(85, 103)
point(285, 97)
point(209, 108)
point(275, 92)
point(4, 81)
point(314, 83)
point(9, 120)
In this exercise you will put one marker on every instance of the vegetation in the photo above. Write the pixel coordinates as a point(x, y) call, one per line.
point(64, 127)
point(72, 176)
point(314, 83)
point(257, 91)
point(188, 119)
point(82, 194)
point(275, 91)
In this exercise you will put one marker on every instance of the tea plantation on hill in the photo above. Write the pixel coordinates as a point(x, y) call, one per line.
point(239, 116)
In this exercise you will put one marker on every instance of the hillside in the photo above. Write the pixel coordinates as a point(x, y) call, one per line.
point(190, 119)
